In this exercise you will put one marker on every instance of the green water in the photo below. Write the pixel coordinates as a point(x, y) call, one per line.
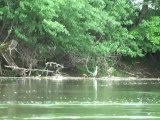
point(79, 99)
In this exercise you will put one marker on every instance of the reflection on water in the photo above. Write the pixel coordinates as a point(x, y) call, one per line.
point(79, 99)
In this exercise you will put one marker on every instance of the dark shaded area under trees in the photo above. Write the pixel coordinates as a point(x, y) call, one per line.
point(73, 33)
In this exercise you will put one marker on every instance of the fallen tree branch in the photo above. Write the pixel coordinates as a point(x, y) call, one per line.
point(56, 66)
point(128, 73)
point(18, 68)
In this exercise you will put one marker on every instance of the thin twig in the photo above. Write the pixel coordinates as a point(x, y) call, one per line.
point(0, 69)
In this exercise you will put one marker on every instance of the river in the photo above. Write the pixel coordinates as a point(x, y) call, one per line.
point(34, 99)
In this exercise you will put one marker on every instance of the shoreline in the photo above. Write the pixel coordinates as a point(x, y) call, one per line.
point(81, 78)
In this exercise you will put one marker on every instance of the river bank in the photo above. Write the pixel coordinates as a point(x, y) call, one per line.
point(126, 67)
point(56, 78)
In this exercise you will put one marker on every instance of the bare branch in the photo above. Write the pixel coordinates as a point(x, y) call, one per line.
point(55, 65)
point(0, 68)
point(18, 68)
point(9, 32)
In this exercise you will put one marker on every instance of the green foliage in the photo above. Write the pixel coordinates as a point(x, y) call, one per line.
point(97, 28)
point(83, 27)
point(153, 30)
point(147, 35)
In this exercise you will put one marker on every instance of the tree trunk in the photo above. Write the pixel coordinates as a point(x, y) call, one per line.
point(143, 12)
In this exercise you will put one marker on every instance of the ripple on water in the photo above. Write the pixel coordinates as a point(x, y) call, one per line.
point(101, 99)
point(88, 117)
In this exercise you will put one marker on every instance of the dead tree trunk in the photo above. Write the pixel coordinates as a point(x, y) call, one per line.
point(11, 62)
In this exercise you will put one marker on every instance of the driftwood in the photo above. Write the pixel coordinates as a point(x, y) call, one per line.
point(28, 70)
point(57, 67)
point(18, 68)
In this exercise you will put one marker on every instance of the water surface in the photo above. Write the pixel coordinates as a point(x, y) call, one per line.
point(79, 99)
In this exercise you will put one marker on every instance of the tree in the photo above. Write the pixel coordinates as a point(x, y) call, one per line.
point(147, 32)
point(54, 29)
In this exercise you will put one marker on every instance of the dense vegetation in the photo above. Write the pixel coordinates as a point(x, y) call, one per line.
point(70, 31)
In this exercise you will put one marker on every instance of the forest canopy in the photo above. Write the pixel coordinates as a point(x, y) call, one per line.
point(70, 30)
